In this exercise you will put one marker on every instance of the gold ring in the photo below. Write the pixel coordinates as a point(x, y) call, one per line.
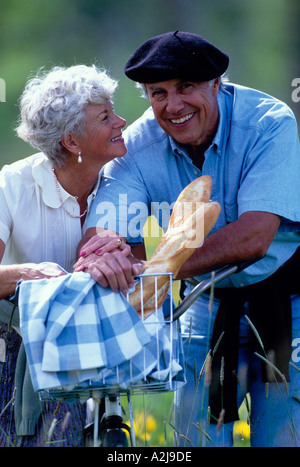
point(119, 241)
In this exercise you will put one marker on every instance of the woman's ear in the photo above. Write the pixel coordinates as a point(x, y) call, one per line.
point(70, 144)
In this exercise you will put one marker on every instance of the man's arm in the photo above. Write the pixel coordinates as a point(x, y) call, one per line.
point(247, 238)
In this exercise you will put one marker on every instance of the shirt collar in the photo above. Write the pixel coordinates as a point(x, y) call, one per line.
point(43, 176)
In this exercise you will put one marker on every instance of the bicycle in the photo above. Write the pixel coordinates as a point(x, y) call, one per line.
point(109, 430)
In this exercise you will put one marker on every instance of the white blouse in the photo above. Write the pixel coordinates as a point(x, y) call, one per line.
point(33, 224)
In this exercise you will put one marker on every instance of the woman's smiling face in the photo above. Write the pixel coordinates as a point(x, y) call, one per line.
point(185, 110)
point(102, 137)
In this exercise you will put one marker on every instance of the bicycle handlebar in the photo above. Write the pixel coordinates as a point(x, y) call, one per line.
point(206, 284)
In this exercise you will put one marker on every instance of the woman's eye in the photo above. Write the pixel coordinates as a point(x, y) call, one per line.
point(102, 117)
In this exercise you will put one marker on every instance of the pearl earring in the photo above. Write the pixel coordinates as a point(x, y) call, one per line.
point(79, 160)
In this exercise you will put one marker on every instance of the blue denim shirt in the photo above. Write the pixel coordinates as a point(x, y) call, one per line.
point(254, 163)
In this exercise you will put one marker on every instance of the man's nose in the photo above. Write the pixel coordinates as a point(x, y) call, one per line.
point(174, 103)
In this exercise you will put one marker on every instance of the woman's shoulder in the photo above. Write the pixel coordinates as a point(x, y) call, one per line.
point(23, 167)
point(19, 176)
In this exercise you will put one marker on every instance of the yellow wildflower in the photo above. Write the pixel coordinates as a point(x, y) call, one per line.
point(242, 429)
point(144, 425)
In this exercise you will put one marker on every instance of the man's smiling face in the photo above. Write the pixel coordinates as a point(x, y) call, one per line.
point(186, 110)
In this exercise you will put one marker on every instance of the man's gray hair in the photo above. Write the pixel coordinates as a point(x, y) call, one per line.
point(54, 103)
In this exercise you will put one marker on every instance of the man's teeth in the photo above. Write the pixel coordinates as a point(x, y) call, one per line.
point(116, 139)
point(182, 119)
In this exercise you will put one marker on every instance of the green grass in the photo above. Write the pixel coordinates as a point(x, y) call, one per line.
point(153, 419)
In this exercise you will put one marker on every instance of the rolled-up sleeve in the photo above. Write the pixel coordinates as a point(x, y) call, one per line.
point(121, 203)
point(270, 180)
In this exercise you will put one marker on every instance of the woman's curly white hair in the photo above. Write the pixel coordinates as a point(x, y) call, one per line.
point(54, 103)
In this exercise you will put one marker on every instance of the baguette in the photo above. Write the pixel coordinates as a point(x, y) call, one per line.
point(192, 219)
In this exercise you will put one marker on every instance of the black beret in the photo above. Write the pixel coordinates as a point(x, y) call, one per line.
point(176, 55)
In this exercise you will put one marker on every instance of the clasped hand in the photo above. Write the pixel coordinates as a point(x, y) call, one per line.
point(110, 262)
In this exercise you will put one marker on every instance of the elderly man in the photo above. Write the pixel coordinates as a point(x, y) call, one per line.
point(247, 141)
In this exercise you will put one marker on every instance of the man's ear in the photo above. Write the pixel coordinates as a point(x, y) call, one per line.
point(216, 86)
point(70, 144)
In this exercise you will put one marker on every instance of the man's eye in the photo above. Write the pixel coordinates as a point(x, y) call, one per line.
point(157, 93)
point(186, 85)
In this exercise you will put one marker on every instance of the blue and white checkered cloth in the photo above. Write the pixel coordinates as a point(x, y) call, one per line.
point(76, 332)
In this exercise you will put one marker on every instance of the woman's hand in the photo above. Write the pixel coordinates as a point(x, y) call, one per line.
point(95, 239)
point(31, 271)
point(10, 275)
point(99, 245)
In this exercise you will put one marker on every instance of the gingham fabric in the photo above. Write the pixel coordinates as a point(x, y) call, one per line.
point(75, 331)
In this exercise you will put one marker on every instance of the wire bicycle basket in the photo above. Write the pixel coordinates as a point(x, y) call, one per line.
point(158, 367)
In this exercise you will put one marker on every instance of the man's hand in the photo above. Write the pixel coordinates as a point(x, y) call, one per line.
point(115, 269)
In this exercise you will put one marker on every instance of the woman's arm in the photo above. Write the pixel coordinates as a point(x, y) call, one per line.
point(11, 274)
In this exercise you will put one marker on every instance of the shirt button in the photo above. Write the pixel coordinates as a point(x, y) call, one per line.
point(196, 172)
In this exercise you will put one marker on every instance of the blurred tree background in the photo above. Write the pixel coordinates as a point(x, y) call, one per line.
point(262, 38)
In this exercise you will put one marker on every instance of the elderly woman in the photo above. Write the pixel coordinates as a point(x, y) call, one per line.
point(44, 201)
